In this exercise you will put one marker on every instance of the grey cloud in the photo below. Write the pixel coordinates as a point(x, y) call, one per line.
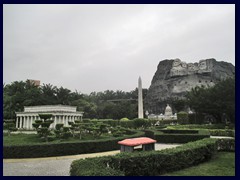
point(99, 47)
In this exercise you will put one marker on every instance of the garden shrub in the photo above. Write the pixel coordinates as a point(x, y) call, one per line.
point(85, 120)
point(226, 145)
point(127, 124)
point(118, 131)
point(199, 118)
point(160, 127)
point(182, 117)
point(98, 167)
point(141, 123)
point(43, 126)
point(192, 118)
point(176, 136)
point(111, 122)
point(10, 126)
point(222, 132)
point(149, 163)
point(199, 126)
point(177, 131)
point(124, 119)
point(65, 148)
point(149, 133)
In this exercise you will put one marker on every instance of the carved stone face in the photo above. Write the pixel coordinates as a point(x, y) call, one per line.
point(184, 65)
point(176, 63)
point(191, 67)
point(202, 64)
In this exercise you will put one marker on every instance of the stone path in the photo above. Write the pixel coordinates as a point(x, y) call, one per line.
point(221, 137)
point(53, 166)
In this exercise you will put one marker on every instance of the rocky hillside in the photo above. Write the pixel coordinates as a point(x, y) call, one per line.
point(174, 78)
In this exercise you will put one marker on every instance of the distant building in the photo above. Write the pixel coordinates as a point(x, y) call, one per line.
point(61, 114)
point(35, 82)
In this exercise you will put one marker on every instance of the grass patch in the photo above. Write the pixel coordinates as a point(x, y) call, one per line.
point(30, 139)
point(222, 164)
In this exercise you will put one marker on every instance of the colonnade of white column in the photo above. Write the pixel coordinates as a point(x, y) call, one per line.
point(26, 121)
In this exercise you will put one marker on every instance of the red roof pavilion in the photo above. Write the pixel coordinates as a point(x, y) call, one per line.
point(136, 141)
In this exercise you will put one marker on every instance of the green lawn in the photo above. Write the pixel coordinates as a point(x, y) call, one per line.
point(223, 164)
point(27, 139)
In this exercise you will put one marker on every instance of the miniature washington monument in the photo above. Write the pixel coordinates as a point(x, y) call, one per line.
point(140, 99)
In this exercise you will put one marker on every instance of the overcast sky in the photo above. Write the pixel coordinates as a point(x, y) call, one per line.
point(98, 47)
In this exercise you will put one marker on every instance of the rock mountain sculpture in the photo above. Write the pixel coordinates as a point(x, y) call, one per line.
point(174, 78)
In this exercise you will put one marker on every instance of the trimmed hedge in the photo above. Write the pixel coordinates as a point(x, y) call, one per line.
point(199, 126)
point(177, 136)
point(61, 149)
point(135, 123)
point(94, 167)
point(148, 163)
point(226, 145)
point(222, 132)
point(166, 122)
point(177, 131)
point(182, 117)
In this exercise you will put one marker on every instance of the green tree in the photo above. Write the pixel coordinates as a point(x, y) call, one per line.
point(216, 100)
point(63, 96)
point(10, 126)
point(43, 125)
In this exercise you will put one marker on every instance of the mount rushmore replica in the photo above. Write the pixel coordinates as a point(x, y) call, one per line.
point(174, 78)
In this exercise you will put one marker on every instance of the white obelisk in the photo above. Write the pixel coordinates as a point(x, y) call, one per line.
point(140, 98)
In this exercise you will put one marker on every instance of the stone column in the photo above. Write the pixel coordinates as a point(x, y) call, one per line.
point(67, 119)
point(61, 119)
point(27, 122)
point(23, 118)
point(31, 121)
point(55, 121)
point(20, 125)
point(17, 121)
point(24, 123)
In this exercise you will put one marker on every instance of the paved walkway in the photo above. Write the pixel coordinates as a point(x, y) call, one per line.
point(221, 137)
point(53, 166)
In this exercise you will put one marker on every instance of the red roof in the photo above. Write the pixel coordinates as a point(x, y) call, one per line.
point(136, 141)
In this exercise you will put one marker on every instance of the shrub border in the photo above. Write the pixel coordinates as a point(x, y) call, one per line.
point(63, 149)
point(147, 163)
point(153, 162)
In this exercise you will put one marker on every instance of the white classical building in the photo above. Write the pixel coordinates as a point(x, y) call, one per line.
point(168, 115)
point(61, 114)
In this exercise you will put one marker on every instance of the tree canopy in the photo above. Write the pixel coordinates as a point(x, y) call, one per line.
point(217, 100)
point(103, 105)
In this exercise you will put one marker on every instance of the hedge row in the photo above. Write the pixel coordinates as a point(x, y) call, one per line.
point(61, 149)
point(177, 136)
point(148, 163)
point(199, 126)
point(177, 131)
point(222, 132)
point(226, 145)
point(135, 123)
